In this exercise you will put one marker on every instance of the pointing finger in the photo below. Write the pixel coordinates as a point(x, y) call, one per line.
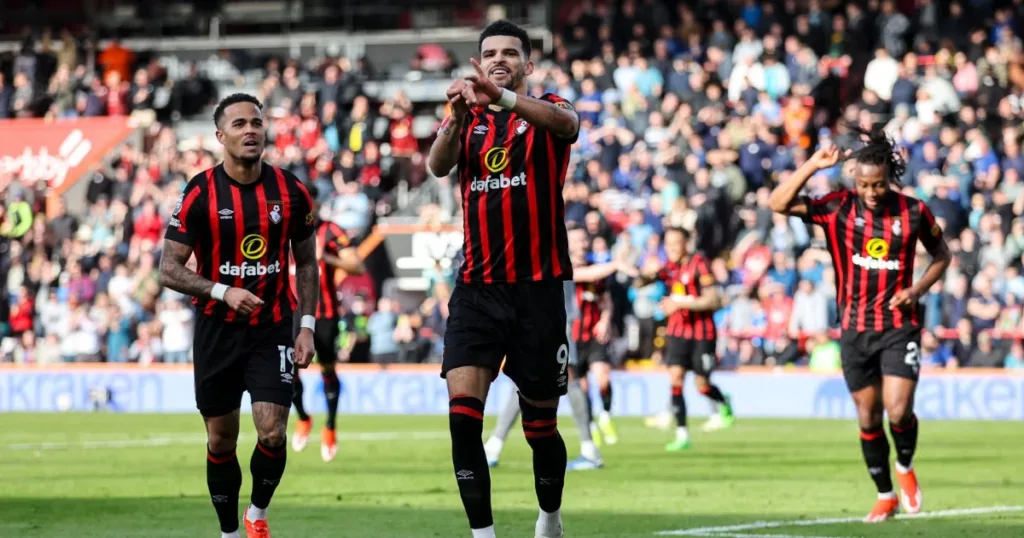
point(476, 65)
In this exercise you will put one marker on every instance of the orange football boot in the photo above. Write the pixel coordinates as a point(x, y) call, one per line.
point(328, 444)
point(883, 510)
point(301, 434)
point(256, 529)
point(910, 491)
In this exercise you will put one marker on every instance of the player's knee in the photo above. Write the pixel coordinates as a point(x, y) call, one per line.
point(869, 417)
point(275, 438)
point(327, 370)
point(703, 385)
point(220, 444)
point(540, 424)
point(466, 415)
point(899, 414)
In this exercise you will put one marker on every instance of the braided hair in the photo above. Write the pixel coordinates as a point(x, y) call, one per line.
point(881, 150)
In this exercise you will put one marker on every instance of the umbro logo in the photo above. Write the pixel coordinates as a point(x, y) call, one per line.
point(480, 129)
point(464, 474)
point(226, 214)
point(859, 221)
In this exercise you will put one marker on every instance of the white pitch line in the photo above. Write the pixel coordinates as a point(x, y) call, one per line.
point(734, 535)
point(760, 525)
point(168, 440)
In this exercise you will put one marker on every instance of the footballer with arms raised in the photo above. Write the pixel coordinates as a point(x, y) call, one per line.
point(512, 151)
point(872, 232)
point(241, 219)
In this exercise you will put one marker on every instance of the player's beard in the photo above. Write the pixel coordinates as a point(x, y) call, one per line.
point(515, 78)
point(249, 160)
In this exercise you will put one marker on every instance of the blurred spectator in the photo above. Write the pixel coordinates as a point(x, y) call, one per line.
point(688, 118)
point(381, 328)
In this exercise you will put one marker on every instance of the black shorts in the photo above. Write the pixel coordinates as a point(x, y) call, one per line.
point(867, 356)
point(588, 353)
point(232, 358)
point(697, 356)
point(521, 323)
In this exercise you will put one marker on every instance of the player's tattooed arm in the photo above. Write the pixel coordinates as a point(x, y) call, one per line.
point(307, 275)
point(553, 118)
point(444, 152)
point(176, 276)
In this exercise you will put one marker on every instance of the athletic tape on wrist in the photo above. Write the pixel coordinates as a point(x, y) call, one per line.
point(309, 322)
point(218, 291)
point(508, 99)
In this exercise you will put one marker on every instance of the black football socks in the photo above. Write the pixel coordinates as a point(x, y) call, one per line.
point(224, 479)
point(466, 423)
point(875, 446)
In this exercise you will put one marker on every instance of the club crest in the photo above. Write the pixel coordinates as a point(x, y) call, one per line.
point(275, 212)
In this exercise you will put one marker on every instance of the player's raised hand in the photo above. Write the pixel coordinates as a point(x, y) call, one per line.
point(903, 298)
point(304, 348)
point(826, 157)
point(481, 91)
point(241, 301)
point(456, 98)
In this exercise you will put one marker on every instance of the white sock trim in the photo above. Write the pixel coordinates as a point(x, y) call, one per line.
point(547, 521)
point(886, 496)
point(904, 470)
point(255, 514)
point(229, 535)
point(486, 532)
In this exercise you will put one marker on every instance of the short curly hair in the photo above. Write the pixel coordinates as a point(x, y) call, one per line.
point(506, 28)
point(218, 113)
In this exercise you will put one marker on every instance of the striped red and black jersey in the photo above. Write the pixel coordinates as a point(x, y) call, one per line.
point(590, 302)
point(241, 236)
point(511, 175)
point(873, 254)
point(333, 240)
point(690, 277)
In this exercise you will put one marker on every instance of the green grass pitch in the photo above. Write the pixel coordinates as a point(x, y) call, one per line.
point(104, 475)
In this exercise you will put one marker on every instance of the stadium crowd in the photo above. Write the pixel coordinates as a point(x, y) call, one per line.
point(688, 117)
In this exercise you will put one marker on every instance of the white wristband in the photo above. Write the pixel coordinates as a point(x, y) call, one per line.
point(507, 99)
point(308, 322)
point(218, 291)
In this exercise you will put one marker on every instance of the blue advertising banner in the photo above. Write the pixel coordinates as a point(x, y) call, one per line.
point(963, 396)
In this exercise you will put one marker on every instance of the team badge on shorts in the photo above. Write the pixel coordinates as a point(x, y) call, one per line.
point(274, 208)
